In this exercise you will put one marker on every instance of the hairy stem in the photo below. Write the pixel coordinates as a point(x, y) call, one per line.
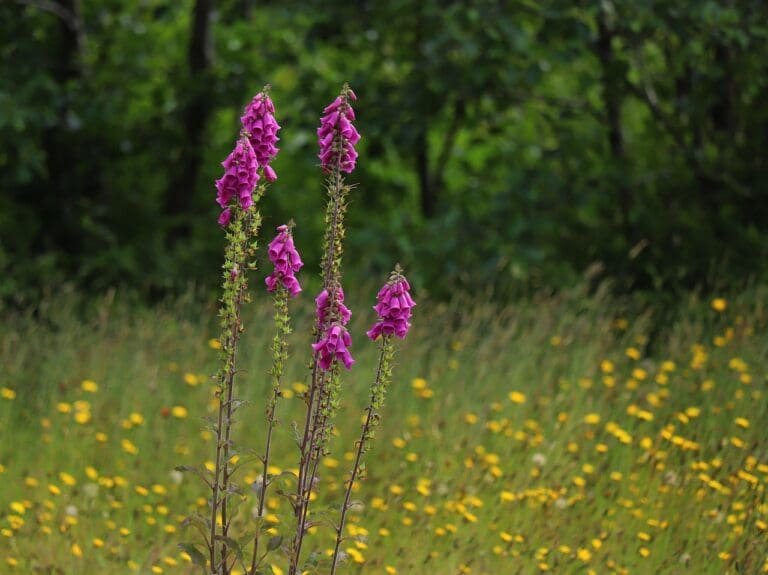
point(241, 231)
point(371, 419)
point(308, 447)
point(223, 427)
point(313, 437)
point(280, 354)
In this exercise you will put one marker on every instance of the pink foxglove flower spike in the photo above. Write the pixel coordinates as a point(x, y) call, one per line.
point(239, 179)
point(260, 126)
point(393, 307)
point(323, 307)
point(337, 136)
point(335, 345)
point(332, 316)
point(286, 259)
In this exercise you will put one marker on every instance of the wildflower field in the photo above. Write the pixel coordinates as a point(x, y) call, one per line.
point(575, 433)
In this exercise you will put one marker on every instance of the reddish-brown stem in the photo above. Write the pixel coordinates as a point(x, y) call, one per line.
point(314, 446)
point(267, 450)
point(302, 499)
point(215, 489)
point(224, 407)
point(364, 436)
point(309, 448)
point(220, 485)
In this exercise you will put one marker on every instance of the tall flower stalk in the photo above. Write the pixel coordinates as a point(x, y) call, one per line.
point(283, 283)
point(394, 313)
point(337, 138)
point(241, 247)
point(246, 171)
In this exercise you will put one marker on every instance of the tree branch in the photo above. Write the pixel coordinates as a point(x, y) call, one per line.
point(67, 16)
point(449, 141)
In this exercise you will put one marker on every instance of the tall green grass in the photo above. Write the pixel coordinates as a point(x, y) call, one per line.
point(462, 479)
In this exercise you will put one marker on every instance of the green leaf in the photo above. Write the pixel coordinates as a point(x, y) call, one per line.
point(232, 544)
point(197, 520)
point(258, 520)
point(274, 542)
point(246, 538)
point(197, 557)
point(201, 473)
point(283, 475)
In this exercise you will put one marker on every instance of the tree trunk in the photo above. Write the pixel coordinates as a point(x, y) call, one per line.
point(62, 152)
point(612, 100)
point(195, 113)
point(726, 92)
point(426, 187)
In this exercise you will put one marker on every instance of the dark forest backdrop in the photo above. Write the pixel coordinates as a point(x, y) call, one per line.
point(505, 144)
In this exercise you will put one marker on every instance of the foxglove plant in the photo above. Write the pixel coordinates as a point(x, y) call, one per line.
point(285, 258)
point(247, 171)
point(260, 126)
point(239, 180)
point(238, 193)
point(394, 305)
point(337, 138)
point(323, 306)
point(337, 135)
point(284, 285)
point(394, 312)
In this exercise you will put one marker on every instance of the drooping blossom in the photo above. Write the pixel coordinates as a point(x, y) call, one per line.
point(239, 179)
point(323, 307)
point(286, 259)
point(260, 126)
point(394, 308)
point(334, 345)
point(224, 217)
point(337, 136)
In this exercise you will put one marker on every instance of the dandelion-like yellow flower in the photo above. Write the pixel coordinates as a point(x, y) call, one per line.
point(179, 411)
point(632, 353)
point(419, 383)
point(606, 366)
point(89, 386)
point(67, 479)
point(584, 555)
point(129, 447)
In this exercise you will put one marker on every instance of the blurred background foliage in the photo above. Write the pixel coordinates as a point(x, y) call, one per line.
point(507, 145)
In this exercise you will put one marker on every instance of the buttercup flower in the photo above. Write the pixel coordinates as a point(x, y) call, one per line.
point(239, 179)
point(260, 126)
point(286, 259)
point(334, 346)
point(337, 136)
point(394, 308)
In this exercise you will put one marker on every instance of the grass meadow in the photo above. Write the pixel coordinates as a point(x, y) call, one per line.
point(576, 433)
